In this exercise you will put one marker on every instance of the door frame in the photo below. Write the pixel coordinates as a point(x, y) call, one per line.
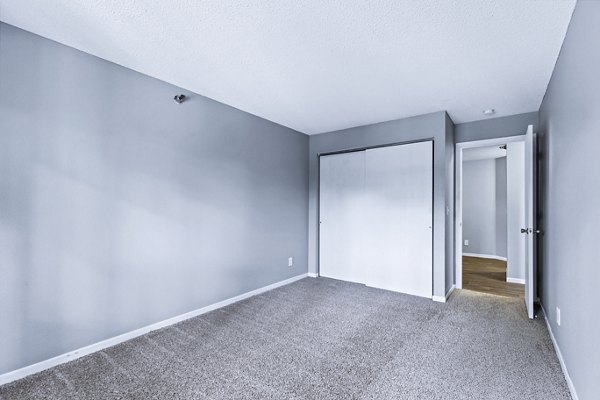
point(458, 211)
point(353, 149)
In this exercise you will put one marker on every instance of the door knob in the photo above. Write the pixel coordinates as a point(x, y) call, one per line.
point(529, 230)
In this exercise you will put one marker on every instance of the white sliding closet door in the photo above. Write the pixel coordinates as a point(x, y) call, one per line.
point(398, 236)
point(341, 213)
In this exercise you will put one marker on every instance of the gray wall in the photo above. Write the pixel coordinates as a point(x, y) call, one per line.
point(570, 187)
point(429, 126)
point(484, 206)
point(120, 208)
point(450, 183)
point(501, 206)
point(492, 128)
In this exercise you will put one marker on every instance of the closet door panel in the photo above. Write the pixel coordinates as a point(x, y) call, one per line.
point(398, 205)
point(341, 216)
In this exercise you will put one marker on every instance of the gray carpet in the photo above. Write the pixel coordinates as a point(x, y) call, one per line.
point(324, 339)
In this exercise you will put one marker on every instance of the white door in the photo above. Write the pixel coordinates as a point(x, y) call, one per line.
point(341, 212)
point(529, 231)
point(399, 210)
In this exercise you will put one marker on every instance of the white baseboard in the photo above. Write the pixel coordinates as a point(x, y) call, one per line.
point(563, 366)
point(73, 355)
point(515, 280)
point(312, 275)
point(443, 299)
point(485, 256)
point(450, 291)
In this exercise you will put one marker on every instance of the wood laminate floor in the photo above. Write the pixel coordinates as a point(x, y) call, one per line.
point(489, 276)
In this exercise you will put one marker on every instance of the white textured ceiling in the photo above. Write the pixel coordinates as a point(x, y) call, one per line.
point(322, 65)
point(483, 153)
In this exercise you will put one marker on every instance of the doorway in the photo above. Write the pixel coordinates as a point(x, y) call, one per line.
point(493, 198)
point(494, 208)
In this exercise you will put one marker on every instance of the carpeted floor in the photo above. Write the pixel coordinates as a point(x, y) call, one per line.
point(324, 339)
